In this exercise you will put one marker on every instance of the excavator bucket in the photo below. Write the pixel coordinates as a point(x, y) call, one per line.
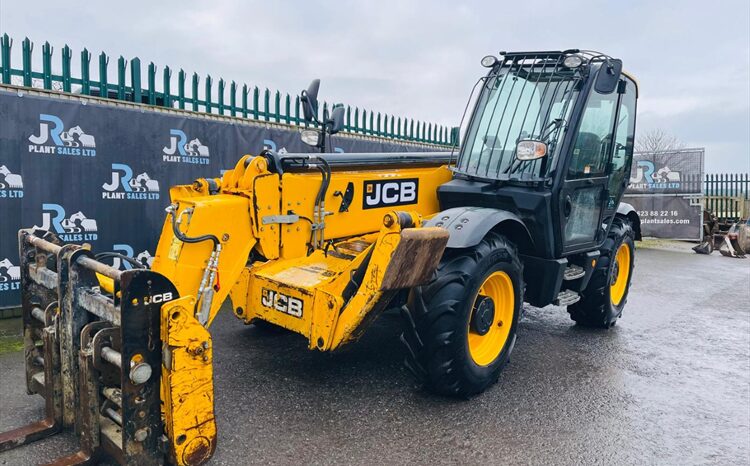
point(94, 356)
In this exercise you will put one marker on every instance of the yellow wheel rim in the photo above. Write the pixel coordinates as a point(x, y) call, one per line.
point(485, 348)
point(619, 282)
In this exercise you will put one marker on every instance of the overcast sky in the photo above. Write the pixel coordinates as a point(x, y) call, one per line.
point(420, 58)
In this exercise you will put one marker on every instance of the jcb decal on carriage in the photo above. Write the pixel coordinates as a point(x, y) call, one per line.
point(387, 193)
point(281, 302)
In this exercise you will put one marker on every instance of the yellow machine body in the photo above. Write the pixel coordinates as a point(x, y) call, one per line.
point(267, 266)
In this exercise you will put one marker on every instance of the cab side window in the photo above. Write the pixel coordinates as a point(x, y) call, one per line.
point(624, 136)
point(593, 142)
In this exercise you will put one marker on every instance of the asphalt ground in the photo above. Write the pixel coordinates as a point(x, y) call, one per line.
point(669, 384)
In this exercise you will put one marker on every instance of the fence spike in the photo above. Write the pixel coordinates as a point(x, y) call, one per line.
point(167, 87)
point(103, 84)
point(66, 56)
point(5, 45)
point(194, 96)
point(181, 77)
point(244, 100)
point(85, 72)
point(151, 77)
point(220, 98)
point(276, 105)
point(26, 47)
point(47, 65)
point(287, 108)
point(207, 101)
point(296, 110)
point(121, 69)
point(256, 97)
point(233, 99)
point(135, 79)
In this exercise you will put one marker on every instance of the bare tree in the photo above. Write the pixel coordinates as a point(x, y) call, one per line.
point(657, 139)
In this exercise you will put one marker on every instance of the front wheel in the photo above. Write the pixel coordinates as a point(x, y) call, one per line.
point(605, 295)
point(461, 327)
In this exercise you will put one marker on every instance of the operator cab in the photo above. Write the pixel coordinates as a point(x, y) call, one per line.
point(549, 139)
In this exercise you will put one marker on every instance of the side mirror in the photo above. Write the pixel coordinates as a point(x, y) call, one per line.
point(337, 120)
point(309, 99)
point(530, 149)
point(608, 77)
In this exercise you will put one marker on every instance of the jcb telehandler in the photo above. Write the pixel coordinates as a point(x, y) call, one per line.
point(320, 244)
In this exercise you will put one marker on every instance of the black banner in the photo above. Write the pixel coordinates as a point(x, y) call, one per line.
point(665, 188)
point(100, 173)
point(667, 172)
point(668, 217)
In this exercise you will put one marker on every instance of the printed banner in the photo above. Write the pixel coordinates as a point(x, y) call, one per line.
point(665, 188)
point(668, 172)
point(668, 217)
point(100, 174)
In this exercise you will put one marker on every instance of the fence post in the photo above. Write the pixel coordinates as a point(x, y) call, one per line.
point(5, 44)
point(266, 104)
point(233, 99)
point(244, 100)
point(222, 85)
point(209, 82)
point(121, 66)
point(135, 79)
point(85, 72)
point(103, 85)
point(256, 97)
point(66, 55)
point(47, 65)
point(276, 105)
point(167, 87)
point(26, 47)
point(151, 77)
point(287, 108)
point(181, 89)
point(194, 95)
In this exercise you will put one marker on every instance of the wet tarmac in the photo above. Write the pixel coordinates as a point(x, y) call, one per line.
point(670, 384)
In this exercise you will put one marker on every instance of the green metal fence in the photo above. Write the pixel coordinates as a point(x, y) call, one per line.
point(233, 100)
point(727, 195)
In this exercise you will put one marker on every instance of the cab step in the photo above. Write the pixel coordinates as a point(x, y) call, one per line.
point(567, 297)
point(573, 272)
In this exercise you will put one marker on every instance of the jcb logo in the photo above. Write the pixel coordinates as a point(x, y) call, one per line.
point(281, 302)
point(158, 298)
point(387, 193)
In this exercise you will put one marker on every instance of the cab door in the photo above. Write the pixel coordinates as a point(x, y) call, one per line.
point(584, 194)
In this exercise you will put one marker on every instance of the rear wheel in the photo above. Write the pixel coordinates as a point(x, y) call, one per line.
point(605, 295)
point(461, 327)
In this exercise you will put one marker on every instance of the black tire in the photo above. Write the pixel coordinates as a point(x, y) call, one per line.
point(436, 319)
point(596, 309)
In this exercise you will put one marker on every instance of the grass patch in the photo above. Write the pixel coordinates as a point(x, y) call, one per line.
point(11, 344)
point(11, 335)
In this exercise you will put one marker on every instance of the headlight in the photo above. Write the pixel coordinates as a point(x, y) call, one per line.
point(310, 137)
point(530, 149)
point(489, 61)
point(573, 61)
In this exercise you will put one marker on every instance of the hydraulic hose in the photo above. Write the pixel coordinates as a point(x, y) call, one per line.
point(130, 260)
point(184, 238)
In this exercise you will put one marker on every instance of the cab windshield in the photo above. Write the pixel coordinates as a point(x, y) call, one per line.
point(520, 99)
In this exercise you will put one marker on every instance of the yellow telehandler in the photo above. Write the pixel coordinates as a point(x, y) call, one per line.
point(528, 210)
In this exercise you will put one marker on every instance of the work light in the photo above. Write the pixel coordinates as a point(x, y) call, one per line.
point(489, 61)
point(573, 61)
